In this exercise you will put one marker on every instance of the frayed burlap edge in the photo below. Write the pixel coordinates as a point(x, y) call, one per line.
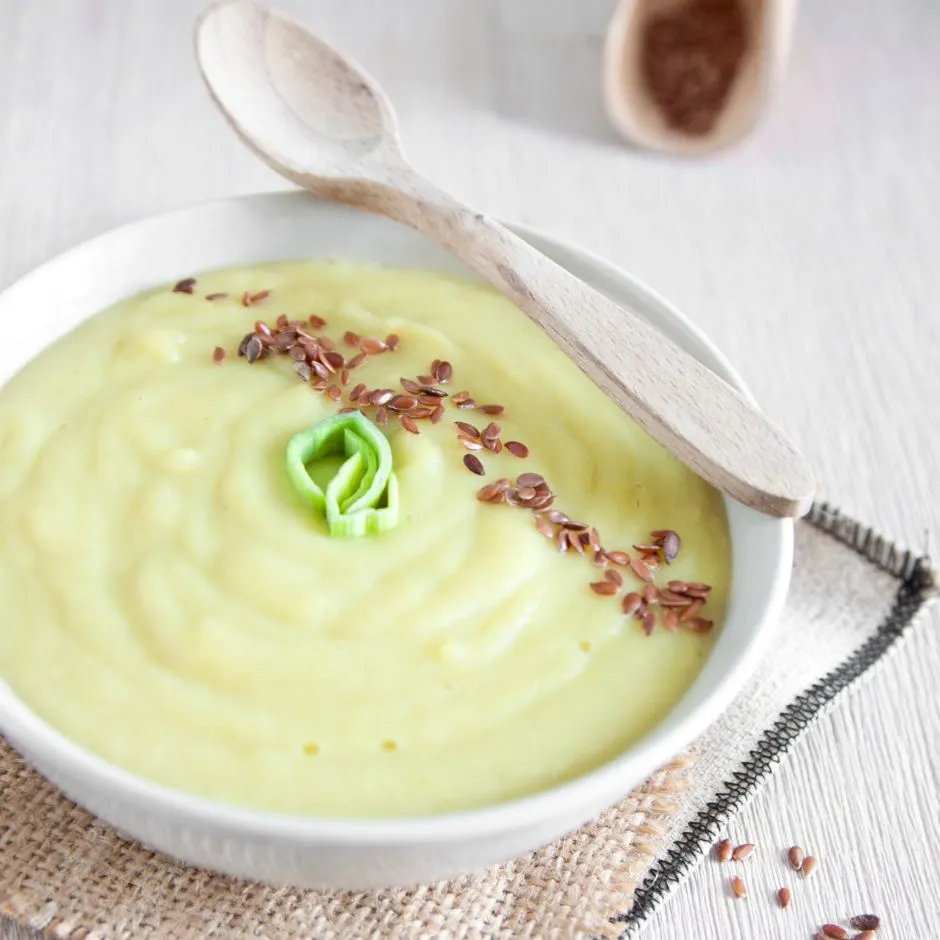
point(69, 876)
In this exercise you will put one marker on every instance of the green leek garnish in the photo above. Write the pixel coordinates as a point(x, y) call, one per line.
point(362, 498)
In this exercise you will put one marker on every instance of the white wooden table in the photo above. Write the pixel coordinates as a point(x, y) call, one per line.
point(811, 254)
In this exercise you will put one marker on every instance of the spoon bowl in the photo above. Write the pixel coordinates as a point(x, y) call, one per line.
point(318, 113)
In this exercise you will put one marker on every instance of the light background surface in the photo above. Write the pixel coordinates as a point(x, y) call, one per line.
point(811, 254)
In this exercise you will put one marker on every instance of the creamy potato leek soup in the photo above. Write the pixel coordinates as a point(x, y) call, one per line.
point(334, 539)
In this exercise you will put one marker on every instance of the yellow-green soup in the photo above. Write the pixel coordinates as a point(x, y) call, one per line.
point(171, 604)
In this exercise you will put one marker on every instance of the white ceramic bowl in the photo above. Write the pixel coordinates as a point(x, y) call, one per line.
point(359, 853)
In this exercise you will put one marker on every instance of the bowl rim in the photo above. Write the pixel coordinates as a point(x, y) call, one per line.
point(27, 731)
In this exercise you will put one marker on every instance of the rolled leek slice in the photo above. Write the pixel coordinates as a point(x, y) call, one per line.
point(362, 498)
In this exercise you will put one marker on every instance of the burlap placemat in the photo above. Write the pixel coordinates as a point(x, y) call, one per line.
point(65, 875)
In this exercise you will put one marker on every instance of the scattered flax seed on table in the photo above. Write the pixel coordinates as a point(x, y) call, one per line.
point(742, 852)
point(795, 857)
point(865, 922)
point(834, 932)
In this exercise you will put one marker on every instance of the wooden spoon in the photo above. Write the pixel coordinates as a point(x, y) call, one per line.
point(318, 119)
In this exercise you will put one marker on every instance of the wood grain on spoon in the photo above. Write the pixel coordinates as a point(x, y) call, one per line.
point(319, 120)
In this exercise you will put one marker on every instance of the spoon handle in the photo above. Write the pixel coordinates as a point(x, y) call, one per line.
point(678, 401)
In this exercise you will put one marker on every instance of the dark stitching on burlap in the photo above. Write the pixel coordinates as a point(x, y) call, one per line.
point(919, 584)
